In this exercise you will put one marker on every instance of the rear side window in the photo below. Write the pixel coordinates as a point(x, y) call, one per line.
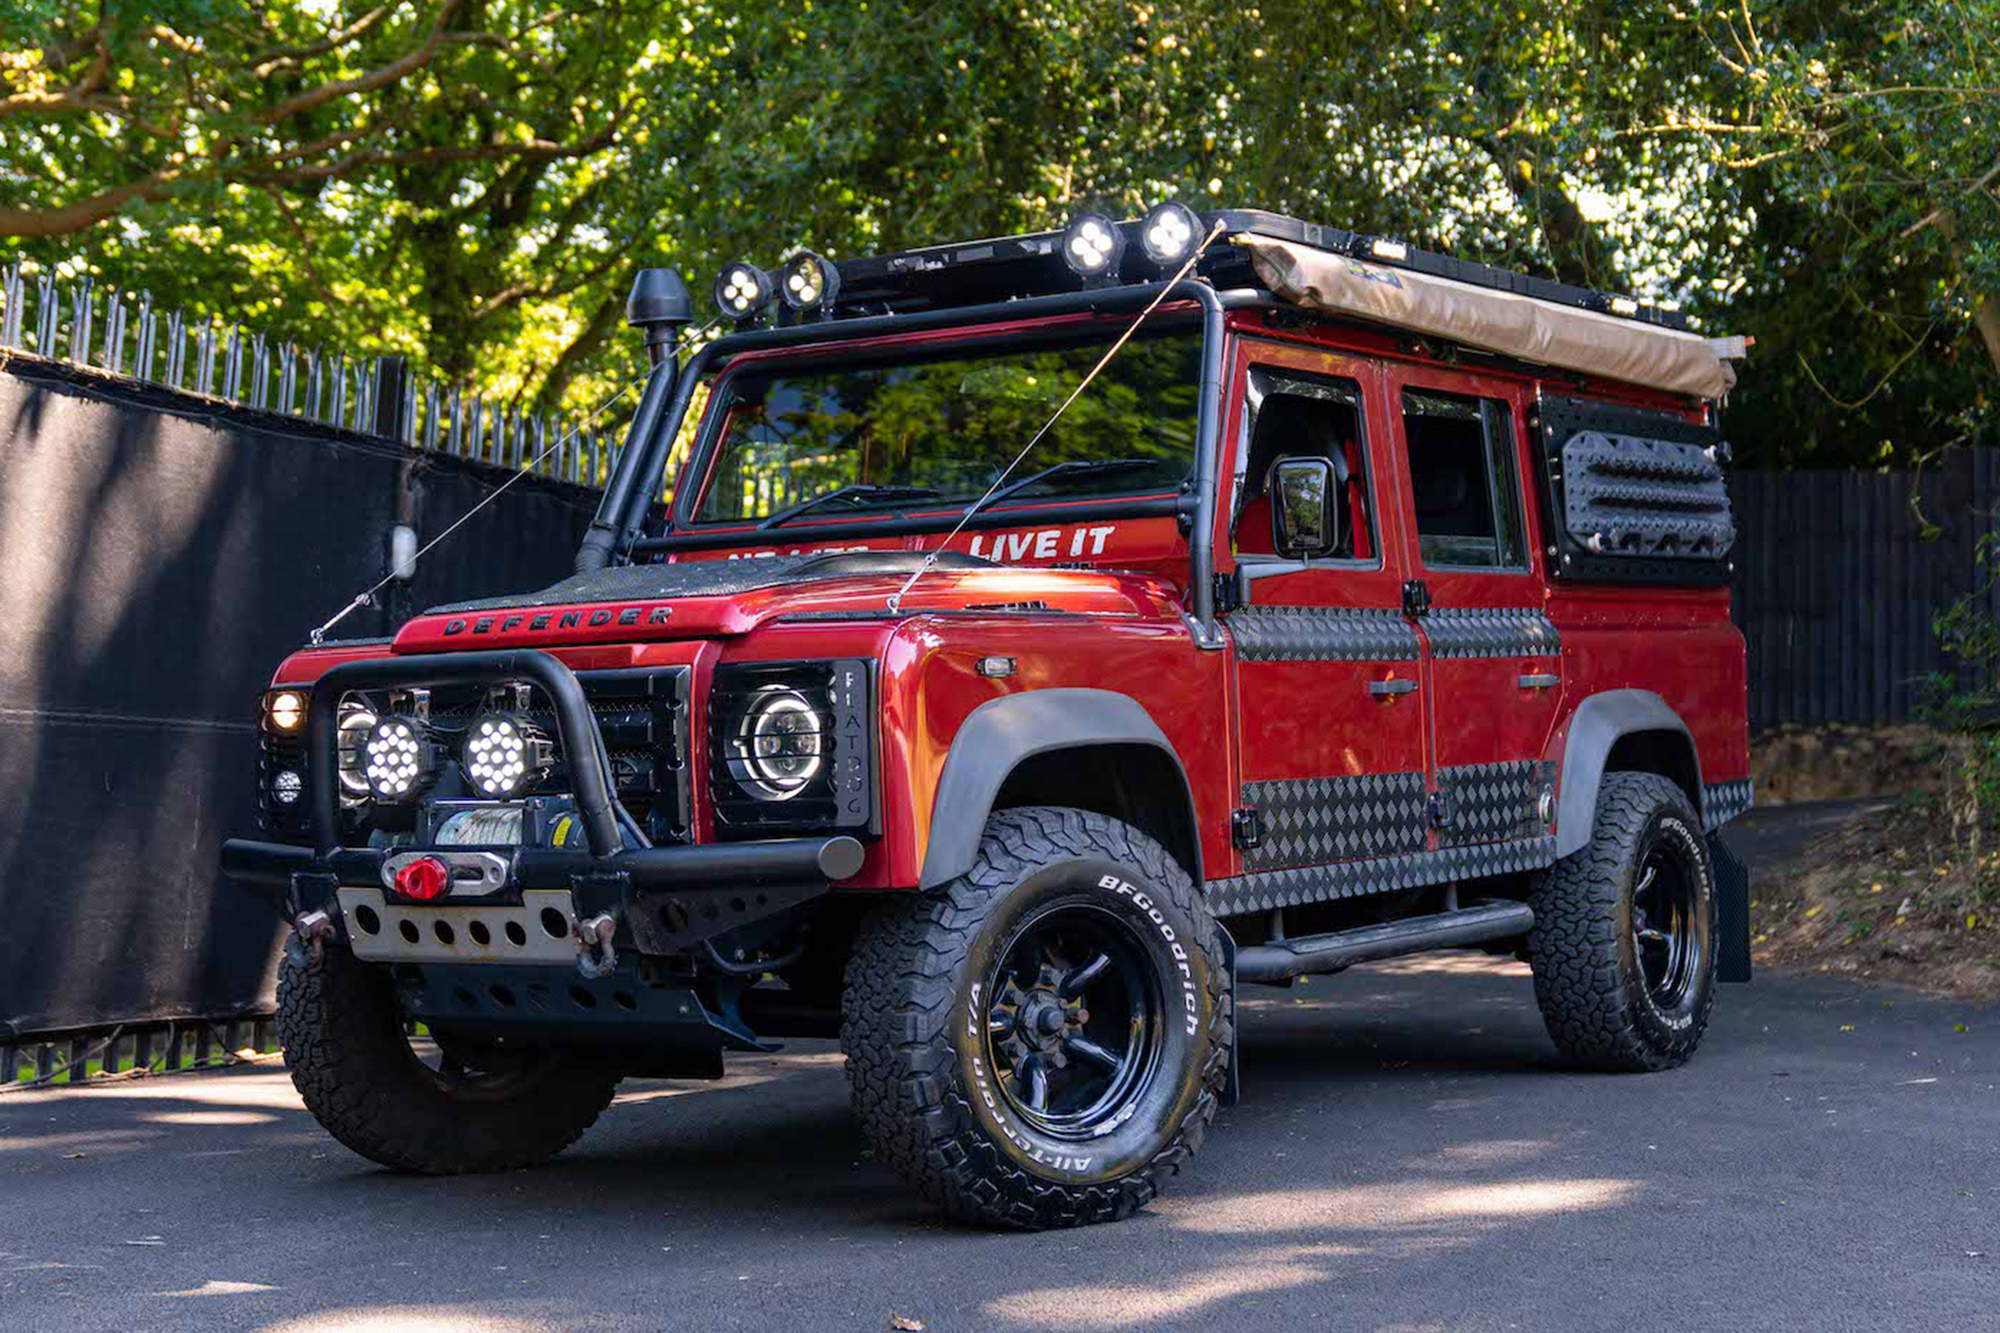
point(1463, 481)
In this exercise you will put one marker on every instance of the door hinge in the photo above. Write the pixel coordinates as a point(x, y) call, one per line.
point(1416, 598)
point(1246, 828)
point(1228, 593)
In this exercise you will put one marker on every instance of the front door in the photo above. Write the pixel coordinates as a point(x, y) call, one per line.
point(1493, 662)
point(1331, 735)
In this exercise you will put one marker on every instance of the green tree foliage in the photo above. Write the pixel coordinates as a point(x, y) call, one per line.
point(473, 181)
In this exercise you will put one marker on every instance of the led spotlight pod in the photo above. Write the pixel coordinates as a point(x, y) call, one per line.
point(742, 291)
point(504, 755)
point(287, 787)
point(399, 759)
point(1169, 232)
point(809, 282)
point(1092, 245)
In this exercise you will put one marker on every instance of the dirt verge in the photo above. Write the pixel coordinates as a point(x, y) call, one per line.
point(1899, 895)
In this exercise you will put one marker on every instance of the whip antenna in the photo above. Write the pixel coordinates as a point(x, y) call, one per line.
point(367, 598)
point(930, 557)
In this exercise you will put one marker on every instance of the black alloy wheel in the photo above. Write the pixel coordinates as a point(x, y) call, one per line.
point(1665, 939)
point(1074, 1030)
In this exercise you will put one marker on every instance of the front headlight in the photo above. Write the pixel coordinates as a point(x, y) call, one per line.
point(776, 751)
point(793, 747)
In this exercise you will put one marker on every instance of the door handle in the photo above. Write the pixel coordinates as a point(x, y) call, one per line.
point(1536, 681)
point(1383, 688)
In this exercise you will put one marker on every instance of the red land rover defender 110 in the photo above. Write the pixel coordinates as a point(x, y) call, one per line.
point(1046, 637)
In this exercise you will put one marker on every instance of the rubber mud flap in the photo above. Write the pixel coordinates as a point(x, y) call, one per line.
point(1732, 912)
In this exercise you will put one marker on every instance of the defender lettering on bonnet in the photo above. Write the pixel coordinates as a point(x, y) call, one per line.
point(1074, 630)
point(657, 615)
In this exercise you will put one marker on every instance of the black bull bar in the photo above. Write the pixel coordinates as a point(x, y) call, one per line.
point(671, 897)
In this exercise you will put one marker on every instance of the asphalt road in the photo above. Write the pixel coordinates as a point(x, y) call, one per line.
point(1408, 1156)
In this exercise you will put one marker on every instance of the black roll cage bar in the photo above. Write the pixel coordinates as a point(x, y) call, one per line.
point(669, 389)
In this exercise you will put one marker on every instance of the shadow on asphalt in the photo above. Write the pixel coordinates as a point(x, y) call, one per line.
point(1408, 1155)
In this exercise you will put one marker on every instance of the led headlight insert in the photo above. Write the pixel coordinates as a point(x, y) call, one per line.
point(504, 755)
point(1168, 233)
point(809, 282)
point(1092, 245)
point(779, 745)
point(398, 758)
point(742, 290)
point(356, 725)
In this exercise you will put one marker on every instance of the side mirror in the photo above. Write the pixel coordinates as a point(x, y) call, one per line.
point(1305, 507)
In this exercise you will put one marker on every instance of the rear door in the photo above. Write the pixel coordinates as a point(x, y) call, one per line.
point(1331, 728)
point(1492, 659)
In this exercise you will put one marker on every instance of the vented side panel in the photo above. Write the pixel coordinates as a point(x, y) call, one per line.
point(1633, 496)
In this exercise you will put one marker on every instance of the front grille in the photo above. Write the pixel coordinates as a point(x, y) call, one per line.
point(642, 715)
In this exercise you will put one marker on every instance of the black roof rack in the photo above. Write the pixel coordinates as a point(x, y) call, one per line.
point(1013, 267)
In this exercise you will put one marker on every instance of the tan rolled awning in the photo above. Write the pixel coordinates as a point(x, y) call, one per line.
point(1522, 326)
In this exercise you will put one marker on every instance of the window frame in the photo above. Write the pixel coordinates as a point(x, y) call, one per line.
point(917, 515)
point(1258, 378)
point(1495, 418)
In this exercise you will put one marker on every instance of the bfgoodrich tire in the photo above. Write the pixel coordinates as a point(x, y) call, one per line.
point(478, 1109)
point(1623, 947)
point(1043, 1041)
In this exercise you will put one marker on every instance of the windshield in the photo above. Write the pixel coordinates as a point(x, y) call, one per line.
point(937, 432)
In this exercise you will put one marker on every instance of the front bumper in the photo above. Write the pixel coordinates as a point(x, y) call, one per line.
point(667, 899)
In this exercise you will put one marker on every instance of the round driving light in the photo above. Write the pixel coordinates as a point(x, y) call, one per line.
point(1168, 233)
point(742, 290)
point(504, 755)
point(1092, 245)
point(397, 759)
point(288, 710)
point(808, 282)
point(287, 787)
point(779, 745)
point(424, 878)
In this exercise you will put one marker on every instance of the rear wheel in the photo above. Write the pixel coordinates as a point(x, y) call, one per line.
point(1046, 1039)
point(436, 1104)
point(1623, 947)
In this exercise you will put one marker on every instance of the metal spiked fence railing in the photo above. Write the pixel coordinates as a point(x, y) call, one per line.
point(121, 333)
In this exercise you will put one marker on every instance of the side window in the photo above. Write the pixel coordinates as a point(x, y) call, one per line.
point(1289, 416)
point(1463, 481)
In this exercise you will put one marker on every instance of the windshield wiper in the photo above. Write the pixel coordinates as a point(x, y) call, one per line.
point(1082, 467)
point(859, 490)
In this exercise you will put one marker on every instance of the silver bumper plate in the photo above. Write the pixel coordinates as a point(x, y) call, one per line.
point(540, 930)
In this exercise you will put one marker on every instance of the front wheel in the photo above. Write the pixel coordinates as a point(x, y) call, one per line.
point(431, 1104)
point(1044, 1040)
point(1623, 946)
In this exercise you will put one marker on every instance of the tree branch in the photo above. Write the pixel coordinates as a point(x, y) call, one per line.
point(380, 77)
point(83, 213)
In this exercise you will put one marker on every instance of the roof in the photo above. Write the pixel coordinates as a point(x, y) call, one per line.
point(1337, 272)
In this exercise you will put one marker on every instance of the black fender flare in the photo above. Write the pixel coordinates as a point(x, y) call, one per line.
point(1003, 732)
point(1595, 727)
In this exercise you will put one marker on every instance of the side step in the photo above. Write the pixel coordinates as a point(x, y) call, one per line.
point(1344, 948)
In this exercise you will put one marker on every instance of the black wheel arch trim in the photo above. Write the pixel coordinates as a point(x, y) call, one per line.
point(1594, 729)
point(1001, 734)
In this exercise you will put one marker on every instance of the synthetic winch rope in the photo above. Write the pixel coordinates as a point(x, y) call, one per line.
point(931, 556)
